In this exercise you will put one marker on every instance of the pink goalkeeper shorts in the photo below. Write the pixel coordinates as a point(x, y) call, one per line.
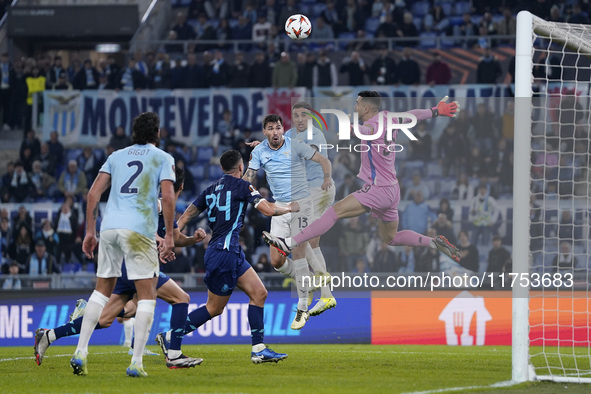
point(381, 200)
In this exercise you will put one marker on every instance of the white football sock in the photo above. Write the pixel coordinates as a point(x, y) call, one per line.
point(324, 290)
point(287, 268)
point(301, 270)
point(259, 347)
point(94, 308)
point(172, 354)
point(144, 317)
point(128, 330)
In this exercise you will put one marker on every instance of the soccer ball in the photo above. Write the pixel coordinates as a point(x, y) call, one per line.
point(298, 27)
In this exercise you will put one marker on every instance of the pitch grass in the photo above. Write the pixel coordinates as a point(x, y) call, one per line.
point(311, 368)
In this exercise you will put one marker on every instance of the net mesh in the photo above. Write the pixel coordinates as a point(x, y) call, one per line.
point(559, 321)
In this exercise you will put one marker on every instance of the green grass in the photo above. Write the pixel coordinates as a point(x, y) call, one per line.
point(313, 368)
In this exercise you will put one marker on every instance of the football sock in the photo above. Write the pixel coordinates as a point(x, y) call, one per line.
point(128, 331)
point(94, 308)
point(68, 329)
point(178, 318)
point(144, 317)
point(257, 325)
point(301, 270)
point(316, 229)
point(324, 290)
point(410, 238)
point(287, 268)
point(196, 319)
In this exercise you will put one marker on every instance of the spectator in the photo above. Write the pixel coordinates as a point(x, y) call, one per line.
point(30, 142)
point(41, 262)
point(66, 225)
point(226, 134)
point(142, 65)
point(159, 71)
point(219, 74)
point(475, 164)
point(18, 96)
point(171, 47)
point(427, 259)
point(12, 282)
point(331, 17)
point(192, 73)
point(223, 33)
point(43, 184)
point(387, 28)
point(23, 218)
point(384, 259)
point(565, 261)
point(90, 163)
point(324, 70)
point(417, 186)
point(261, 30)
point(556, 14)
point(438, 72)
point(285, 73)
point(353, 242)
point(288, 10)
point(250, 13)
point(263, 264)
point(62, 83)
point(446, 209)
point(469, 253)
point(48, 235)
point(305, 72)
point(409, 72)
point(20, 185)
point(498, 258)
point(577, 16)
point(436, 19)
point(484, 213)
point(240, 74)
point(508, 25)
point(242, 31)
point(6, 240)
point(87, 77)
point(189, 184)
point(56, 149)
point(407, 260)
point(352, 16)
point(361, 42)
point(421, 148)
point(119, 140)
point(130, 78)
point(355, 66)
point(7, 81)
point(23, 244)
point(348, 187)
point(72, 182)
point(489, 68)
point(443, 226)
point(417, 214)
point(466, 28)
point(183, 30)
point(5, 182)
point(408, 29)
point(322, 30)
point(383, 70)
point(35, 84)
point(484, 125)
point(112, 71)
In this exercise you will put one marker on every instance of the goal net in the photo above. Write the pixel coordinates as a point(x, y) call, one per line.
point(551, 306)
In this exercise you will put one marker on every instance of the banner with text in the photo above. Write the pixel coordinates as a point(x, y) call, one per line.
point(90, 117)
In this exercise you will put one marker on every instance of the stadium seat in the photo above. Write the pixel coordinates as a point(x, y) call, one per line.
point(72, 154)
point(447, 8)
point(463, 7)
point(418, 22)
point(371, 25)
point(204, 154)
point(215, 172)
point(198, 171)
point(317, 9)
point(428, 39)
point(420, 9)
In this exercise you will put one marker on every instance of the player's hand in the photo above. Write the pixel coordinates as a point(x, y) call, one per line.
point(447, 109)
point(159, 241)
point(166, 248)
point(294, 207)
point(199, 235)
point(89, 245)
point(327, 184)
point(253, 144)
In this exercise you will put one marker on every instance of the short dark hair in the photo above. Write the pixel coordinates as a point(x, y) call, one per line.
point(301, 104)
point(179, 173)
point(145, 128)
point(230, 160)
point(272, 118)
point(372, 97)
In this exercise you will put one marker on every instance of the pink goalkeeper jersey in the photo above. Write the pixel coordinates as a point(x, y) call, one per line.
point(377, 164)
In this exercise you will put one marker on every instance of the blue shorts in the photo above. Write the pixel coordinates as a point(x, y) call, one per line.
point(127, 286)
point(222, 270)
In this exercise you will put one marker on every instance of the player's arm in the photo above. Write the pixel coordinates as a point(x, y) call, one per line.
point(326, 169)
point(182, 240)
point(100, 184)
point(168, 202)
point(442, 108)
point(250, 175)
point(190, 213)
point(271, 209)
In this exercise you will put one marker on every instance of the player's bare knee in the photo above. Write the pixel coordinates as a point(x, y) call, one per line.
point(214, 310)
point(184, 298)
point(106, 323)
point(259, 297)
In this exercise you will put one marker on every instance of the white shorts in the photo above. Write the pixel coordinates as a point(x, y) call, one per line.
point(139, 251)
point(321, 200)
point(290, 224)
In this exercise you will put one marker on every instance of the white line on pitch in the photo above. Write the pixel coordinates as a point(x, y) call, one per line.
point(506, 383)
point(53, 355)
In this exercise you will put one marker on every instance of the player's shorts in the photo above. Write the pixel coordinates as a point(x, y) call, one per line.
point(139, 252)
point(126, 286)
point(381, 200)
point(222, 270)
point(321, 200)
point(292, 223)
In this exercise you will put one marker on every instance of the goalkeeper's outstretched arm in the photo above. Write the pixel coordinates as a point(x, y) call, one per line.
point(442, 108)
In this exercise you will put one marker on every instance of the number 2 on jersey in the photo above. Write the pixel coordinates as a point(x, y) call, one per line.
point(213, 201)
point(125, 189)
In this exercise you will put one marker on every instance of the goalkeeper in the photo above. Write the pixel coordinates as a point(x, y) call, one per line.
point(381, 193)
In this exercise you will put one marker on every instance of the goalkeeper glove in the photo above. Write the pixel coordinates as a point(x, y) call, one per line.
point(446, 109)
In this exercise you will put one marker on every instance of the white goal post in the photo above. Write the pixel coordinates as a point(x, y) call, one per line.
point(551, 338)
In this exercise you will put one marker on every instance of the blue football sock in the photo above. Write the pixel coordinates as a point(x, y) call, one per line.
point(178, 318)
point(196, 319)
point(71, 328)
point(257, 324)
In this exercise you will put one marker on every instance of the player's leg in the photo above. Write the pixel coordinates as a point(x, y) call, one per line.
point(250, 283)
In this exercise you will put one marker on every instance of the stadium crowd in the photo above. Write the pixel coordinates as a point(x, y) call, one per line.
point(450, 185)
